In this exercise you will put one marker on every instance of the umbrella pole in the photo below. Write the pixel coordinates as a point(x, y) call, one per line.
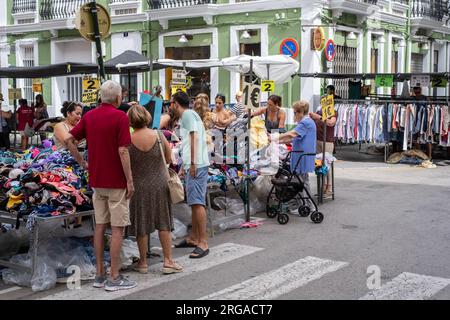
point(247, 182)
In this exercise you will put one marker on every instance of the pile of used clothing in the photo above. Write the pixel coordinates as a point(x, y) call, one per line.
point(414, 157)
point(42, 183)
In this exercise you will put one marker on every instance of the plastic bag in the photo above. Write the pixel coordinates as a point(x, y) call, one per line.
point(182, 212)
point(128, 252)
point(66, 252)
point(261, 187)
point(16, 277)
point(234, 224)
point(180, 230)
point(44, 277)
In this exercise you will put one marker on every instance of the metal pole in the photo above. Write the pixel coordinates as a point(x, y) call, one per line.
point(247, 184)
point(129, 86)
point(98, 42)
point(15, 115)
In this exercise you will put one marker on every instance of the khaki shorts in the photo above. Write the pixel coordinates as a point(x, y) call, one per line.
point(329, 147)
point(111, 206)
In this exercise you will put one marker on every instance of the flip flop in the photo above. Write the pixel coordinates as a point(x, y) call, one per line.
point(185, 244)
point(200, 253)
point(176, 268)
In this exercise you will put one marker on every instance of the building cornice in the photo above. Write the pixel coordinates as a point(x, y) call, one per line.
point(64, 24)
point(428, 25)
point(390, 18)
point(361, 9)
point(399, 6)
point(208, 11)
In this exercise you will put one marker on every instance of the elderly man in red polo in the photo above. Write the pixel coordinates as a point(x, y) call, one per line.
point(107, 132)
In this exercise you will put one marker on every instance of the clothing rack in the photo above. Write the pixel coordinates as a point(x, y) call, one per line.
point(389, 101)
point(371, 76)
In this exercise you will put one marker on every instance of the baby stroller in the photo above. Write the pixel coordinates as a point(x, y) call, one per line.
point(287, 190)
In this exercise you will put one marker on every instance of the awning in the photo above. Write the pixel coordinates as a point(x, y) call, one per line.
point(54, 70)
point(278, 68)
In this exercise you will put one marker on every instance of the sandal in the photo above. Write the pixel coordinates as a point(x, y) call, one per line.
point(185, 244)
point(141, 270)
point(176, 268)
point(199, 253)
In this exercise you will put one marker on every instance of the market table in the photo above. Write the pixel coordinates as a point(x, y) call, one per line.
point(7, 217)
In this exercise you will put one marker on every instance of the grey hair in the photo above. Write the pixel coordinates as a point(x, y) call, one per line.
point(109, 91)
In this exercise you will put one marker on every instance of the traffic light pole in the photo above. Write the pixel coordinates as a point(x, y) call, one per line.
point(97, 36)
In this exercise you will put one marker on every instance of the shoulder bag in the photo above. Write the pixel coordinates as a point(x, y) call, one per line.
point(176, 188)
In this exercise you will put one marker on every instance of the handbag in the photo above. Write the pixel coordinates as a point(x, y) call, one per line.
point(176, 188)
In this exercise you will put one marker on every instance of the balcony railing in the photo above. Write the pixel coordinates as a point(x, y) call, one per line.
point(23, 6)
point(59, 9)
point(369, 1)
point(167, 4)
point(432, 9)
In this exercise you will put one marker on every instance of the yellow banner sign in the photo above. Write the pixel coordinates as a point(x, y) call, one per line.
point(14, 94)
point(37, 87)
point(267, 86)
point(89, 97)
point(327, 104)
point(91, 84)
point(176, 88)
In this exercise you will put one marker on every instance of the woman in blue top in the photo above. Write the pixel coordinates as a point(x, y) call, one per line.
point(303, 138)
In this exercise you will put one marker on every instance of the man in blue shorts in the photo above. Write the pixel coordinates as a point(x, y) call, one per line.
point(195, 168)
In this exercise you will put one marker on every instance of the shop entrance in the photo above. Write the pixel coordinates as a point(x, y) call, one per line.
point(198, 80)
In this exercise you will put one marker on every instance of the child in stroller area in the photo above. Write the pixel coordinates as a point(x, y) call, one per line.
point(303, 139)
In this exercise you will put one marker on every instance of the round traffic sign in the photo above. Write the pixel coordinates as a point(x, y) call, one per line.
point(84, 24)
point(289, 47)
point(330, 50)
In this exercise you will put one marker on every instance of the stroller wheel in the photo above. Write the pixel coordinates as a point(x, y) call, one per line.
point(283, 218)
point(317, 217)
point(304, 211)
point(271, 212)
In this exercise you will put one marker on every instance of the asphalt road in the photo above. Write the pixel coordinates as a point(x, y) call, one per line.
point(392, 221)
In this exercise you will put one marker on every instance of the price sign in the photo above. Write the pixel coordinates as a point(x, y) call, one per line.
point(439, 82)
point(178, 87)
point(91, 84)
point(37, 87)
point(251, 95)
point(89, 97)
point(268, 86)
point(14, 94)
point(178, 76)
point(384, 81)
point(420, 81)
point(327, 104)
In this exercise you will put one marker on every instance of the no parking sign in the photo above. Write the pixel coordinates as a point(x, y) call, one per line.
point(289, 47)
point(330, 50)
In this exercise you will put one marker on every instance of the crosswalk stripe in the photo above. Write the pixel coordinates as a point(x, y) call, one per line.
point(12, 289)
point(280, 281)
point(218, 255)
point(408, 286)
